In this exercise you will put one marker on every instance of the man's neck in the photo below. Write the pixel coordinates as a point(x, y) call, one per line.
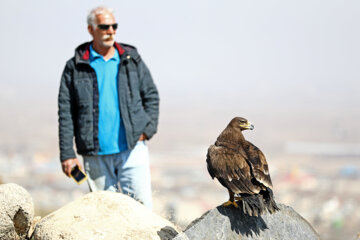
point(106, 52)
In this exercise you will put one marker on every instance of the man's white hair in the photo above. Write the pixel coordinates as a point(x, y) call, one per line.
point(91, 18)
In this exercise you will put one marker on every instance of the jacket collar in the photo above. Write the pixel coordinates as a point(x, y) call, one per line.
point(82, 52)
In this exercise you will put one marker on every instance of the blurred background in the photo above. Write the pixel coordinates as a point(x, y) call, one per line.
point(290, 67)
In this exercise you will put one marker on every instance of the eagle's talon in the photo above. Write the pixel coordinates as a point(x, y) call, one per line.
point(228, 203)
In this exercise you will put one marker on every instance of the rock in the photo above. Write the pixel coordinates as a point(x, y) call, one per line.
point(230, 223)
point(16, 212)
point(32, 226)
point(104, 215)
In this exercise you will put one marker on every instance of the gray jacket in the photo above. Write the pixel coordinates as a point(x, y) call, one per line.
point(79, 97)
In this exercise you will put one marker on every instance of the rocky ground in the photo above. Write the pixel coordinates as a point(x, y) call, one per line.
point(109, 215)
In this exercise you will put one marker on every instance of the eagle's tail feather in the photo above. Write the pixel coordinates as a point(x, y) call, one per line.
point(255, 205)
point(252, 204)
point(270, 201)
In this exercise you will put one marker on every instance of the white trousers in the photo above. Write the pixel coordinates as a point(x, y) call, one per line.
point(129, 169)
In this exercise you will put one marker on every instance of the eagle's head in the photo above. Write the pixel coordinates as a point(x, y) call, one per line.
point(241, 123)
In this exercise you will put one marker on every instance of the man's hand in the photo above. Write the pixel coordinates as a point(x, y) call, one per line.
point(68, 164)
point(142, 137)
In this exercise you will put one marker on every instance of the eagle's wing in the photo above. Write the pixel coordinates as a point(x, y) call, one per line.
point(259, 165)
point(231, 169)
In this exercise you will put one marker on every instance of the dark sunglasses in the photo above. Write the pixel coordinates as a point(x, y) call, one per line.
point(107, 26)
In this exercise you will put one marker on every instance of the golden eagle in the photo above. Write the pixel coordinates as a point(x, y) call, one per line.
point(242, 168)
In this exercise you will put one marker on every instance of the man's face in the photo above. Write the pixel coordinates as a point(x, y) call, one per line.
point(104, 38)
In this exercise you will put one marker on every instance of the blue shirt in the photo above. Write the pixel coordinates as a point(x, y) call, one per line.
point(111, 136)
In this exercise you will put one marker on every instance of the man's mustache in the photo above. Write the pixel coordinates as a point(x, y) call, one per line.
point(108, 37)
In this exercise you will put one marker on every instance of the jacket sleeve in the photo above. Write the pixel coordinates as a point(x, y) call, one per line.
point(65, 113)
point(150, 98)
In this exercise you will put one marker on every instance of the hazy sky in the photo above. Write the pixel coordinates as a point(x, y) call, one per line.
point(198, 47)
point(263, 54)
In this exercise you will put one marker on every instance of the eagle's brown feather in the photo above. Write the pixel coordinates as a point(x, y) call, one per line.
point(259, 165)
point(232, 168)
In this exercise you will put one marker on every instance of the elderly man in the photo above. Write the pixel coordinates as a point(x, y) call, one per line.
point(109, 103)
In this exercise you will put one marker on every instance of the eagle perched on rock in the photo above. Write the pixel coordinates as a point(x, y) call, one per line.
point(242, 168)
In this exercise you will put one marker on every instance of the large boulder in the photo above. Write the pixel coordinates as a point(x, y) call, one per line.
point(230, 223)
point(104, 215)
point(16, 212)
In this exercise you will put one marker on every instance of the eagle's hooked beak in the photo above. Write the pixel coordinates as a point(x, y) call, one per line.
point(250, 126)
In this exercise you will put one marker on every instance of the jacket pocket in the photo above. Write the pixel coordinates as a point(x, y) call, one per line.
point(83, 90)
point(139, 119)
point(84, 130)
